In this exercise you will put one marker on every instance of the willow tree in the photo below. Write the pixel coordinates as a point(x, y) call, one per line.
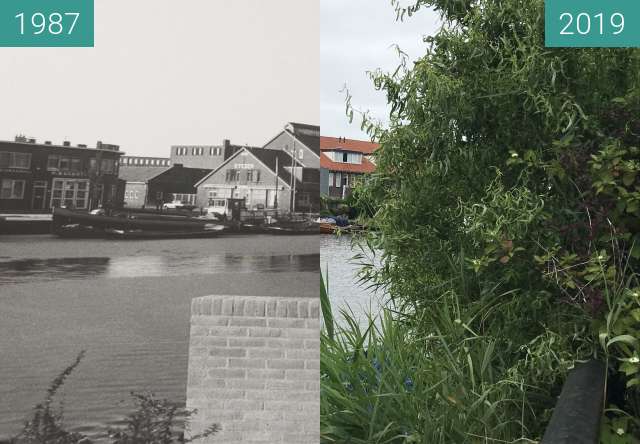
point(511, 168)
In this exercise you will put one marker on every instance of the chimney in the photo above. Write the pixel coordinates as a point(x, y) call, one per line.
point(47, 142)
point(226, 144)
point(66, 143)
point(32, 140)
point(99, 144)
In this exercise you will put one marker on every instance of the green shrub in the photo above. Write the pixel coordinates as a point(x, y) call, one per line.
point(508, 177)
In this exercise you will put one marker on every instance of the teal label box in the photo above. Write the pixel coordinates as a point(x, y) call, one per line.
point(592, 23)
point(46, 23)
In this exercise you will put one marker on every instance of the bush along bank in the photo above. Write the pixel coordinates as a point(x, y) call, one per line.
point(507, 204)
point(154, 421)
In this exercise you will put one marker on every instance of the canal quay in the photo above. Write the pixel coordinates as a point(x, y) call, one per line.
point(113, 254)
point(127, 303)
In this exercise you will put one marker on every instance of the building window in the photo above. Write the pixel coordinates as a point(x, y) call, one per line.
point(232, 175)
point(331, 179)
point(185, 199)
point(60, 163)
point(338, 179)
point(345, 157)
point(71, 193)
point(108, 166)
point(15, 160)
point(249, 175)
point(12, 189)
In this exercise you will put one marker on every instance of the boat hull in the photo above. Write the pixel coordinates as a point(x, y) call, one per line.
point(128, 222)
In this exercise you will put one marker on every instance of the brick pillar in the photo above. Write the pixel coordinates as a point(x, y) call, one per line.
point(254, 369)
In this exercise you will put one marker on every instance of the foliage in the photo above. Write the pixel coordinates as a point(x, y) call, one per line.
point(509, 168)
point(154, 421)
point(46, 425)
point(391, 384)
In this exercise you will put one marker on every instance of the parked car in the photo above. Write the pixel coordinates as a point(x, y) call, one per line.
point(177, 205)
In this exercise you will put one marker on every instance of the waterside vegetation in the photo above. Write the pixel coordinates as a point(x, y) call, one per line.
point(506, 202)
point(154, 421)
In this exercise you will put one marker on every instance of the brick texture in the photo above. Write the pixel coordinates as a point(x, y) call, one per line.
point(253, 369)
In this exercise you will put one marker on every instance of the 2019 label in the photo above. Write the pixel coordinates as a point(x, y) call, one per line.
point(592, 23)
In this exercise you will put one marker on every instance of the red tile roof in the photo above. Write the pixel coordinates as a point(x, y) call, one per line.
point(365, 167)
point(334, 143)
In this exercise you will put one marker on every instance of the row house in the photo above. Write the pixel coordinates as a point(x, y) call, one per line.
point(41, 176)
point(342, 162)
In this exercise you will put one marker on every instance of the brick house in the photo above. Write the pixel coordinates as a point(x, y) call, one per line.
point(342, 161)
point(40, 176)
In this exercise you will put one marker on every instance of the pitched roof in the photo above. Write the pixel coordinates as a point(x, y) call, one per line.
point(341, 144)
point(267, 157)
point(179, 173)
point(307, 134)
point(365, 167)
point(139, 173)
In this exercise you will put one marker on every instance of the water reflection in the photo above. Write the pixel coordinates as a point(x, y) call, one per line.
point(33, 270)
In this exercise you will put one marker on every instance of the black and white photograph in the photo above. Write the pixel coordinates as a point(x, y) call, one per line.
point(159, 221)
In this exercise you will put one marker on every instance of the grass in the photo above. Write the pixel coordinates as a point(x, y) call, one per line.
point(457, 380)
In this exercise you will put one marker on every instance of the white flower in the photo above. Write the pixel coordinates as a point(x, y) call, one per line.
point(514, 154)
point(620, 431)
point(634, 360)
point(458, 321)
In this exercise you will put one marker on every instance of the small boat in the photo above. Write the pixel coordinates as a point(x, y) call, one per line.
point(328, 228)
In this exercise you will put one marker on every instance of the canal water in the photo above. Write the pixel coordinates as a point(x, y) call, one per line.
point(127, 304)
point(340, 269)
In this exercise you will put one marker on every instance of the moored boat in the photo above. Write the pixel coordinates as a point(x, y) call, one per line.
point(69, 223)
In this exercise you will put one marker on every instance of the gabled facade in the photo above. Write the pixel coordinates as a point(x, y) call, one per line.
point(303, 138)
point(263, 178)
point(40, 176)
point(342, 161)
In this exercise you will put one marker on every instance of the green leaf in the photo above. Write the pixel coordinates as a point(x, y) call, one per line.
point(626, 339)
point(629, 178)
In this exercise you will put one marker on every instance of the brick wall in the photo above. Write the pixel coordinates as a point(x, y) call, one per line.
point(254, 369)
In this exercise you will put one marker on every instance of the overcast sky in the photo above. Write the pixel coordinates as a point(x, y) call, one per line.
point(357, 36)
point(169, 72)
